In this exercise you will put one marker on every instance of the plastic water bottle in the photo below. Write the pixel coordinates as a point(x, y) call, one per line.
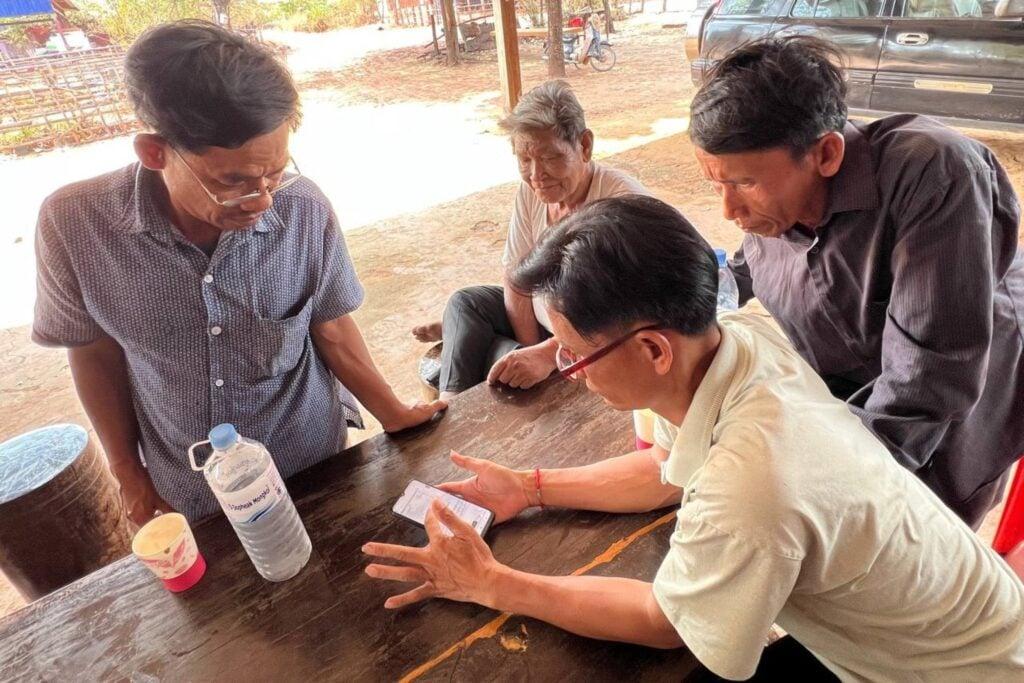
point(728, 290)
point(250, 491)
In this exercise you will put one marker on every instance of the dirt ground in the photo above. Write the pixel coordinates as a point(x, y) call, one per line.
point(411, 156)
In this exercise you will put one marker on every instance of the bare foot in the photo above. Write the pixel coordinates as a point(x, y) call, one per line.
point(427, 333)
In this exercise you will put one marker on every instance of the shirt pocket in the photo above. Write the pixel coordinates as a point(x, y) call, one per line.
point(276, 346)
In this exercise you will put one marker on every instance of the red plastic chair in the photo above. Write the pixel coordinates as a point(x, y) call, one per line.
point(1009, 540)
point(1015, 558)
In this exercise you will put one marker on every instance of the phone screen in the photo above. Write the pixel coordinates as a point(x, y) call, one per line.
point(415, 502)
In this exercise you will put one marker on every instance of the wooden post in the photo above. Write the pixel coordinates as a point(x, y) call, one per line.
point(433, 34)
point(451, 32)
point(507, 38)
point(556, 54)
point(609, 27)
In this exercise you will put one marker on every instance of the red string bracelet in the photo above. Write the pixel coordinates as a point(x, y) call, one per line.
point(536, 474)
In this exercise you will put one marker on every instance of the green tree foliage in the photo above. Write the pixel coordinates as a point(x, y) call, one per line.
point(324, 15)
point(124, 20)
point(536, 9)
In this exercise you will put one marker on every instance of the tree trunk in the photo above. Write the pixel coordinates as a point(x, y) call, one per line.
point(451, 32)
point(664, 6)
point(556, 55)
point(222, 8)
point(57, 532)
point(433, 34)
point(609, 27)
point(642, 2)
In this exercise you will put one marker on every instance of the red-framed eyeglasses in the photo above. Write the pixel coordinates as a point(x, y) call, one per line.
point(569, 364)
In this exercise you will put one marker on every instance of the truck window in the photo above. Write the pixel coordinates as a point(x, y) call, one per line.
point(747, 7)
point(962, 9)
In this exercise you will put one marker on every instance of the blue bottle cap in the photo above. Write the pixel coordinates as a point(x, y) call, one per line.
point(223, 436)
point(722, 257)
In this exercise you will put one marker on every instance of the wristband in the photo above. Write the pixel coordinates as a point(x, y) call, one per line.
point(536, 474)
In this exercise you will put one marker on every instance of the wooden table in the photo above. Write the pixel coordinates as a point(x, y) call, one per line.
point(329, 622)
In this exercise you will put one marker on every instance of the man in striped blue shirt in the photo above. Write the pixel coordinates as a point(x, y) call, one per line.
point(209, 281)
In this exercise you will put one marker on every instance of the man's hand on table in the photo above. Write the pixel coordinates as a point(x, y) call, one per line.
point(523, 368)
point(457, 565)
point(497, 488)
point(412, 415)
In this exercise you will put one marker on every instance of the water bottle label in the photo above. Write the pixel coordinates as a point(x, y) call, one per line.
point(247, 505)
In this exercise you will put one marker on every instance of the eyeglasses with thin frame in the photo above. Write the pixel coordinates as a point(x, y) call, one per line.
point(234, 202)
point(569, 364)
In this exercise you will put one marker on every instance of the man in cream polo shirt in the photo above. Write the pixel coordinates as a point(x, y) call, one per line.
point(790, 511)
point(792, 514)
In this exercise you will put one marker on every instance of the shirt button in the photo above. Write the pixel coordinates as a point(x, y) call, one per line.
point(814, 250)
point(215, 330)
point(219, 382)
point(207, 278)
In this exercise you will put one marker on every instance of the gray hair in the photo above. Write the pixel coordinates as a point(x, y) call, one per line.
point(551, 106)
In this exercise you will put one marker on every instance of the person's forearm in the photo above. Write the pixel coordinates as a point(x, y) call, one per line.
point(601, 607)
point(519, 309)
point(101, 381)
point(341, 345)
point(628, 483)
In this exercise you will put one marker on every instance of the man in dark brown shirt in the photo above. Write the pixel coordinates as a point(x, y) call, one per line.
point(888, 253)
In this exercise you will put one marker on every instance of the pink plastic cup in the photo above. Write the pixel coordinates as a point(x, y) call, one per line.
point(166, 545)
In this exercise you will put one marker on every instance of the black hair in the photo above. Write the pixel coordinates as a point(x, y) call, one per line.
point(198, 85)
point(774, 92)
point(623, 261)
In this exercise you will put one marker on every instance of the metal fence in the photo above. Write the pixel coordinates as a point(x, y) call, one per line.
point(63, 99)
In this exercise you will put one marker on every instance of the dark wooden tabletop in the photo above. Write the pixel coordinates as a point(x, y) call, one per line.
point(329, 621)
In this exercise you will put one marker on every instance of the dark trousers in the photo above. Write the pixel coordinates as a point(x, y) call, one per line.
point(783, 660)
point(476, 333)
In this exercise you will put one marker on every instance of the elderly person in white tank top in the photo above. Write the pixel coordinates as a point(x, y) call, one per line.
point(492, 332)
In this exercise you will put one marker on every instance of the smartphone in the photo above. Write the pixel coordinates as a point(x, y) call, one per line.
point(415, 502)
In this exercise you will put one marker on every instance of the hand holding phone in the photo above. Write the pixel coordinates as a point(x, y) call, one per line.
point(415, 502)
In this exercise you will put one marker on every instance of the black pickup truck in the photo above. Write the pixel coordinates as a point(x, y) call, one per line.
point(960, 60)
